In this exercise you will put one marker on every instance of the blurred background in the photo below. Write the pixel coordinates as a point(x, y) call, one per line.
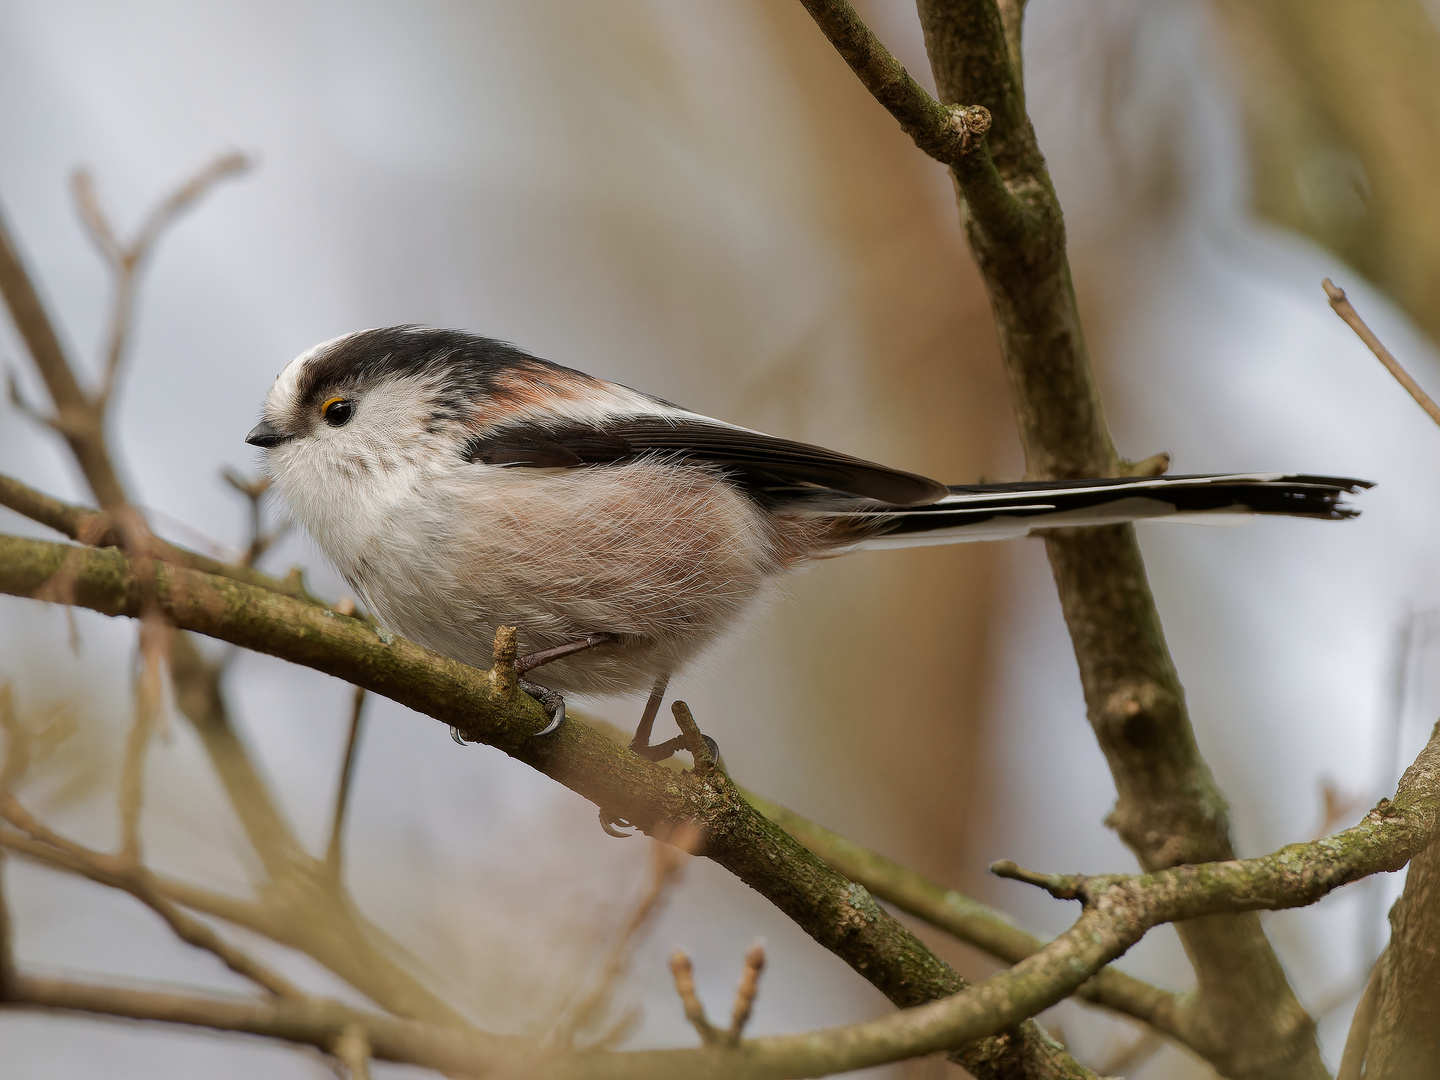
point(701, 201)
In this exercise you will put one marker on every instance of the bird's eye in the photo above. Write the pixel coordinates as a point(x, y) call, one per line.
point(338, 411)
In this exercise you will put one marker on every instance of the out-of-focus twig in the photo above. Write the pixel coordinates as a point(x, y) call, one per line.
point(302, 905)
point(746, 992)
point(352, 1049)
point(1342, 306)
point(124, 872)
point(667, 866)
point(7, 938)
point(95, 528)
point(155, 635)
point(126, 258)
point(334, 849)
point(1140, 1050)
point(254, 490)
point(683, 972)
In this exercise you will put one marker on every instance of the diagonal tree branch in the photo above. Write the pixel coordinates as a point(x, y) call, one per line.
point(1118, 911)
point(837, 913)
point(96, 528)
point(971, 921)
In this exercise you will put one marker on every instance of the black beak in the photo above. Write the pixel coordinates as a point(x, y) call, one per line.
point(266, 434)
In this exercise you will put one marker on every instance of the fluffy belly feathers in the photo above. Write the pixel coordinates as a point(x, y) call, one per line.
point(667, 557)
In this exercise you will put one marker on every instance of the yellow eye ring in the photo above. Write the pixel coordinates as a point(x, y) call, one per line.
point(337, 411)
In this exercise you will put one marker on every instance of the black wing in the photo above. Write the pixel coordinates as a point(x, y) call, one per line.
point(753, 459)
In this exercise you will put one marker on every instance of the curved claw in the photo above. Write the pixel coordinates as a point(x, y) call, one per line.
point(551, 700)
point(460, 740)
point(608, 823)
point(714, 746)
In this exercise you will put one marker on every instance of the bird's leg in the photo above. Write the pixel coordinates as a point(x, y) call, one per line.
point(640, 744)
point(530, 661)
point(552, 700)
point(688, 739)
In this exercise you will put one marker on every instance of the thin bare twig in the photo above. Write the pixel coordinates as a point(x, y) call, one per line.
point(254, 491)
point(683, 972)
point(969, 920)
point(333, 850)
point(667, 866)
point(746, 992)
point(126, 259)
point(1142, 1048)
point(1346, 311)
point(95, 528)
point(155, 635)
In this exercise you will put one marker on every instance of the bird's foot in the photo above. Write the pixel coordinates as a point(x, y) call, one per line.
point(550, 700)
point(704, 749)
point(666, 749)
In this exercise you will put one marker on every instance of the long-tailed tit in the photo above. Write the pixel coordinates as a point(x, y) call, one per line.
point(460, 484)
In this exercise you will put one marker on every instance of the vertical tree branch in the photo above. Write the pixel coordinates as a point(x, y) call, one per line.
point(1168, 809)
point(1404, 1036)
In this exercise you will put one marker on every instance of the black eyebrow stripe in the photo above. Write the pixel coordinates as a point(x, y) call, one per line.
point(750, 458)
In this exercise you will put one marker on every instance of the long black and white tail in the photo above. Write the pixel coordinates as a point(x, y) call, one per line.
point(1001, 511)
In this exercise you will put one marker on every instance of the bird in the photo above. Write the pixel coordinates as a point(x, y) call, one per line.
point(460, 484)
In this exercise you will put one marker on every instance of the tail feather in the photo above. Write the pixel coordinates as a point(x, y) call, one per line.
point(999, 511)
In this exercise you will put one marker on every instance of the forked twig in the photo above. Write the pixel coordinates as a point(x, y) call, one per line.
point(1347, 311)
point(683, 972)
point(127, 258)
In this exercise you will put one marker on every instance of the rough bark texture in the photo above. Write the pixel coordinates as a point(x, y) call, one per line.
point(1168, 809)
point(1404, 1040)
